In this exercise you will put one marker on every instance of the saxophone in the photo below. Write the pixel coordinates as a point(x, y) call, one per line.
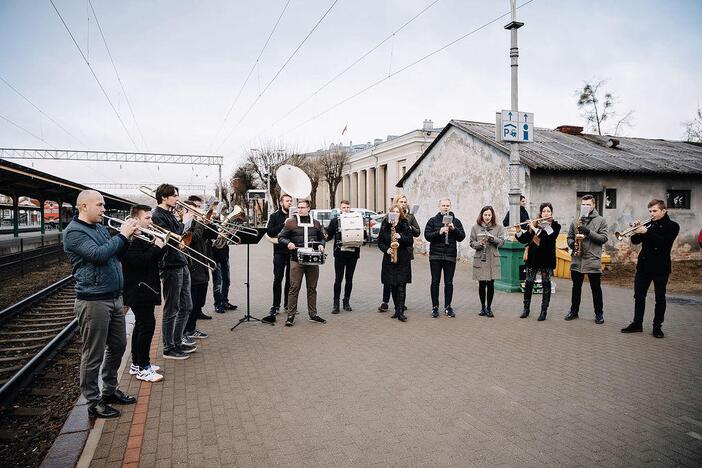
point(578, 247)
point(394, 244)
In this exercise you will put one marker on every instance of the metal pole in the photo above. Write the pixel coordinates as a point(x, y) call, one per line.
point(220, 182)
point(514, 163)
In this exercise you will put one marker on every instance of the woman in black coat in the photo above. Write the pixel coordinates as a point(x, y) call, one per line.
point(540, 256)
point(396, 275)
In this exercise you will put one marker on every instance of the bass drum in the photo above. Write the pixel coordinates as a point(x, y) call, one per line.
point(351, 229)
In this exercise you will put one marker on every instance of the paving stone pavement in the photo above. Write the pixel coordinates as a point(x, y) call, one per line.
point(364, 390)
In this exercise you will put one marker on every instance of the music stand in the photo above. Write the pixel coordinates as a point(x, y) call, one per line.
point(249, 239)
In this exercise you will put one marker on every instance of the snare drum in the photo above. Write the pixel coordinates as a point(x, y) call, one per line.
point(310, 256)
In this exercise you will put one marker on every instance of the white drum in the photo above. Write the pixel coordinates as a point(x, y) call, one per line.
point(351, 229)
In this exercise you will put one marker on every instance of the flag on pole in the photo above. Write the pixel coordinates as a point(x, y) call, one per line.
point(346, 127)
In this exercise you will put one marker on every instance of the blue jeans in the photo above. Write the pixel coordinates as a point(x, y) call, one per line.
point(221, 281)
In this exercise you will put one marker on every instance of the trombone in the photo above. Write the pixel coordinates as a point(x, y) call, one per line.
point(200, 215)
point(630, 232)
point(154, 232)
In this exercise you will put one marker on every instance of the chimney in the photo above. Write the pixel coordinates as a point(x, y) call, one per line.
point(612, 143)
point(570, 129)
point(428, 125)
point(377, 141)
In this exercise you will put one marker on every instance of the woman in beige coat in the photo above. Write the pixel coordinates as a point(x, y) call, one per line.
point(486, 237)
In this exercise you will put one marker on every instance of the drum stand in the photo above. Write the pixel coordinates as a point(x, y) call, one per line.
point(248, 240)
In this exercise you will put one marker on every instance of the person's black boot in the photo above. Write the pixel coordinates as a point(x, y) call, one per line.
point(633, 327)
point(545, 300)
point(401, 315)
point(269, 319)
point(571, 315)
point(528, 291)
point(103, 410)
point(347, 305)
point(599, 318)
point(396, 314)
point(658, 332)
point(488, 313)
point(483, 312)
point(335, 309)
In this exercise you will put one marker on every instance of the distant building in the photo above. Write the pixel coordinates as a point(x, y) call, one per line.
point(374, 168)
point(465, 163)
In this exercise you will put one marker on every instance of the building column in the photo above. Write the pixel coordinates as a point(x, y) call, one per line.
point(15, 214)
point(354, 189)
point(383, 188)
point(41, 214)
point(363, 189)
point(372, 189)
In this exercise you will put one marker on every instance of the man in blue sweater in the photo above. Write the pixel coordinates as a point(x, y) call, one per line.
point(99, 282)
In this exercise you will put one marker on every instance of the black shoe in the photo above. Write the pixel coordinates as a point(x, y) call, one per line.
point(273, 311)
point(434, 312)
point(347, 306)
point(335, 309)
point(203, 316)
point(401, 316)
point(395, 315)
point(571, 315)
point(119, 398)
point(103, 410)
point(525, 313)
point(483, 312)
point(599, 318)
point(633, 328)
point(175, 354)
point(542, 316)
point(289, 322)
point(219, 310)
point(230, 306)
point(449, 312)
point(657, 332)
point(489, 313)
point(383, 307)
point(268, 319)
point(317, 319)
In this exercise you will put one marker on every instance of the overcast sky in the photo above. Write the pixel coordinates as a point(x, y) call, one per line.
point(182, 64)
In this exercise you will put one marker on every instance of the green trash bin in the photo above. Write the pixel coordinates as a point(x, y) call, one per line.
point(511, 260)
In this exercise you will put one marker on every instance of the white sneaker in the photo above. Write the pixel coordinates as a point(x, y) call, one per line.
point(133, 369)
point(154, 367)
point(149, 375)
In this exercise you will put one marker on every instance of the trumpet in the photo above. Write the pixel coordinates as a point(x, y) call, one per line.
point(630, 232)
point(154, 232)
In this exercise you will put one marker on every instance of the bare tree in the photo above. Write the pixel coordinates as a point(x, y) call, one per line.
point(332, 164)
point(243, 179)
point(693, 128)
point(314, 170)
point(598, 109)
point(265, 161)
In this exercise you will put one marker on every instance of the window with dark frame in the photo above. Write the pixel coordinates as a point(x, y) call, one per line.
point(678, 199)
point(610, 199)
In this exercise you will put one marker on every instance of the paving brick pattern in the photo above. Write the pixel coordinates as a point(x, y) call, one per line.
point(364, 390)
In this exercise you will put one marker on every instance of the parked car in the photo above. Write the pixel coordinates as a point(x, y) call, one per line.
point(323, 216)
point(374, 225)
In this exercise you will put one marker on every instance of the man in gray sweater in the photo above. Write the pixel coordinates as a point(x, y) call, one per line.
point(590, 231)
point(99, 282)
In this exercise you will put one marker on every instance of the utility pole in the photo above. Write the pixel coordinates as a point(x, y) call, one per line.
point(514, 163)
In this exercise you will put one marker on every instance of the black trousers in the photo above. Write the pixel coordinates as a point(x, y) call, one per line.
point(198, 293)
point(449, 268)
point(399, 293)
point(595, 286)
point(344, 265)
point(143, 334)
point(642, 281)
point(281, 268)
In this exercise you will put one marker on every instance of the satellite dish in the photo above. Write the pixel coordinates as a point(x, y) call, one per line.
point(294, 181)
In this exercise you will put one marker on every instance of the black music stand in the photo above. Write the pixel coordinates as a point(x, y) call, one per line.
point(249, 239)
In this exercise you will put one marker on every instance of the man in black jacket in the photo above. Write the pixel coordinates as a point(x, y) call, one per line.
point(653, 265)
point(281, 257)
point(174, 273)
point(345, 259)
point(443, 232)
point(302, 231)
point(523, 213)
point(142, 293)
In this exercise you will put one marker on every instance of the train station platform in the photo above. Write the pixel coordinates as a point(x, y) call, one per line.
point(364, 390)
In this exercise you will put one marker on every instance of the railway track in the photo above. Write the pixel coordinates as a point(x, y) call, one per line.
point(32, 331)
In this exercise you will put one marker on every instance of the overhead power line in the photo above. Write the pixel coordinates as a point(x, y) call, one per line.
point(406, 67)
point(253, 67)
point(355, 62)
point(278, 73)
point(94, 74)
point(42, 112)
point(25, 130)
point(119, 79)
